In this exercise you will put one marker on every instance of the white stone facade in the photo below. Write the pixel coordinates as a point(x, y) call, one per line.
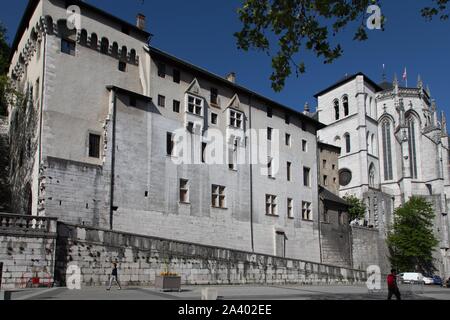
point(398, 147)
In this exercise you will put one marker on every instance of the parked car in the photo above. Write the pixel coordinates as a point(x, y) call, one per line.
point(411, 277)
point(428, 280)
point(438, 281)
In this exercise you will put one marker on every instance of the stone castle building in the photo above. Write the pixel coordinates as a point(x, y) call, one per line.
point(394, 145)
point(96, 144)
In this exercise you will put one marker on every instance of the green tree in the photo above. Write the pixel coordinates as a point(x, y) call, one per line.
point(357, 208)
point(5, 87)
point(412, 240)
point(283, 28)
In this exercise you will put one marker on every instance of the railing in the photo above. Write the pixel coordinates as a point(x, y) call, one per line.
point(12, 223)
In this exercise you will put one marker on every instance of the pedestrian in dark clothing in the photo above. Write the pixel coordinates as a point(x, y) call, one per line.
point(392, 285)
point(114, 277)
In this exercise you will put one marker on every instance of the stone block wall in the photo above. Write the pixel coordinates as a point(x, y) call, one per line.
point(141, 258)
point(27, 250)
point(5, 196)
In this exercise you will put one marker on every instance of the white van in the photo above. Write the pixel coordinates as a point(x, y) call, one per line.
point(411, 277)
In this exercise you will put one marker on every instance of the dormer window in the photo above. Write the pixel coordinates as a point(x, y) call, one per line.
point(236, 119)
point(195, 105)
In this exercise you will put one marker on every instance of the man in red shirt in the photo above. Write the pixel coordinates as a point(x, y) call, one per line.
point(392, 285)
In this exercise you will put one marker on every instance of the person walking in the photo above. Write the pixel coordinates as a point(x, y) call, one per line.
point(392, 285)
point(114, 277)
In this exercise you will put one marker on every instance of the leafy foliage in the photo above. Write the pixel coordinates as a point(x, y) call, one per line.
point(357, 208)
point(294, 26)
point(412, 240)
point(5, 88)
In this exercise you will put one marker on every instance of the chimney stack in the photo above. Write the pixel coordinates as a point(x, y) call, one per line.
point(231, 77)
point(140, 21)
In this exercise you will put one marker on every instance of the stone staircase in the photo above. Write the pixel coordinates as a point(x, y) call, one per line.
point(4, 164)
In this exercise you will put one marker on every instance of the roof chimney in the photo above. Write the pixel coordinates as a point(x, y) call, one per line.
point(231, 77)
point(140, 21)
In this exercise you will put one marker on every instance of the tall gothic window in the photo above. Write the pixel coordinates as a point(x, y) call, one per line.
point(336, 109)
point(346, 107)
point(348, 145)
point(412, 147)
point(387, 150)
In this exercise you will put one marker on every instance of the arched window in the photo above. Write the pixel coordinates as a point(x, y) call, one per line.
point(348, 145)
point(368, 142)
point(83, 37)
point(412, 146)
point(133, 56)
point(115, 50)
point(104, 46)
point(346, 107)
point(373, 145)
point(373, 106)
point(336, 109)
point(387, 150)
point(372, 174)
point(124, 53)
point(94, 41)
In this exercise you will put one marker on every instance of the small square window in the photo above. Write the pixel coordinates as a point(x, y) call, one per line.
point(306, 177)
point(161, 101)
point(176, 75)
point(288, 139)
point(213, 118)
point(304, 146)
point(214, 96)
point(236, 119)
point(122, 66)
point(94, 146)
point(218, 197)
point(161, 70)
point(68, 46)
point(176, 106)
point(184, 191)
point(194, 105)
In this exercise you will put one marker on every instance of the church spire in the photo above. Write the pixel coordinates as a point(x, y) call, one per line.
point(419, 82)
point(428, 91)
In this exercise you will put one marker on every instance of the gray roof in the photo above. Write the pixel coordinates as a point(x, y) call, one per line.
point(331, 197)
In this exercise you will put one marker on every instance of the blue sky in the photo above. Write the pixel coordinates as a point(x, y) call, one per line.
point(201, 32)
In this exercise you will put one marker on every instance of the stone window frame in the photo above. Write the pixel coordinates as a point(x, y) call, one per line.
point(307, 211)
point(271, 205)
point(218, 197)
point(100, 145)
point(184, 191)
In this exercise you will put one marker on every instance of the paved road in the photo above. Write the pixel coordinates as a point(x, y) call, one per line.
point(227, 293)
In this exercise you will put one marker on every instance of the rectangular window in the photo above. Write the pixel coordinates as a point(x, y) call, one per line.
point(307, 211)
point(213, 118)
point(68, 46)
point(288, 139)
point(122, 66)
point(233, 155)
point(176, 75)
point(325, 181)
point(304, 146)
point(290, 208)
point(176, 106)
point(269, 169)
point(184, 191)
point(269, 112)
point(204, 145)
point(324, 164)
point(289, 165)
point(306, 177)
point(195, 105)
point(161, 70)
point(218, 197)
point(214, 96)
point(269, 133)
point(169, 144)
point(94, 146)
point(161, 101)
point(287, 118)
point(333, 167)
point(236, 119)
point(271, 205)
